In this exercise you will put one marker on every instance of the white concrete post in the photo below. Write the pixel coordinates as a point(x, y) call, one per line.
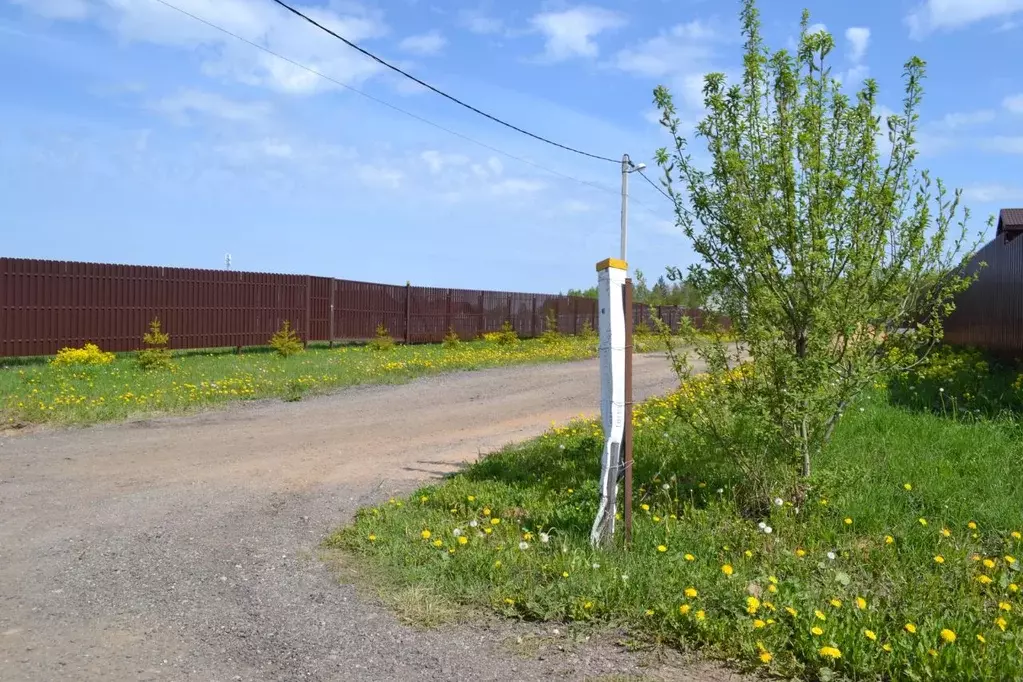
point(610, 283)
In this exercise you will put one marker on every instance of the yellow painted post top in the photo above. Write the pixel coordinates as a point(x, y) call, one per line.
point(612, 263)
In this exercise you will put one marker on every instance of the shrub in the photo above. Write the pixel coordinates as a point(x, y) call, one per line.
point(382, 341)
point(550, 328)
point(155, 355)
point(507, 336)
point(588, 333)
point(89, 354)
point(451, 340)
point(285, 341)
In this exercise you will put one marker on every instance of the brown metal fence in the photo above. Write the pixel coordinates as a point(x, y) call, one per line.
point(989, 314)
point(48, 305)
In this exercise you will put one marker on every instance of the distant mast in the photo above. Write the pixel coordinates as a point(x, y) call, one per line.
point(227, 261)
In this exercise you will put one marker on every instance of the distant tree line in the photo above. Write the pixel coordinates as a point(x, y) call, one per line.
point(670, 290)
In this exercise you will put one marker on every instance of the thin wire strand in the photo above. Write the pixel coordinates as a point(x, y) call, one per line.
point(484, 145)
point(657, 187)
point(426, 85)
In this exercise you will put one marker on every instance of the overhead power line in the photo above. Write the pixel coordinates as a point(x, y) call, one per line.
point(657, 187)
point(398, 109)
point(426, 85)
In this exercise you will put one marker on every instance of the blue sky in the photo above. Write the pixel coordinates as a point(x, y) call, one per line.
point(131, 133)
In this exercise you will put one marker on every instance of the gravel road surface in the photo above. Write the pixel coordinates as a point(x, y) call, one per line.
point(183, 548)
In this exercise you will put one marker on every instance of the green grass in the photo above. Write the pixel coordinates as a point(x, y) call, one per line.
point(688, 529)
point(40, 392)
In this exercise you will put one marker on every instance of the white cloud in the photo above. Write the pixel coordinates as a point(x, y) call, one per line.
point(859, 39)
point(57, 9)
point(947, 15)
point(1004, 144)
point(480, 23)
point(179, 107)
point(513, 186)
point(993, 194)
point(577, 206)
point(683, 55)
point(855, 75)
point(424, 44)
point(816, 28)
point(570, 33)
point(1014, 103)
point(438, 161)
point(380, 176)
point(963, 119)
point(261, 22)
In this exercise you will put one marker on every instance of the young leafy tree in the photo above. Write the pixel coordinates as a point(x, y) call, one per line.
point(835, 260)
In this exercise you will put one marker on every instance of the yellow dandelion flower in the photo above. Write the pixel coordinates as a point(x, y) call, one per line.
point(509, 602)
point(701, 615)
point(424, 499)
point(486, 511)
point(816, 631)
point(588, 605)
point(1016, 535)
point(938, 559)
point(907, 486)
point(946, 532)
point(870, 634)
point(861, 603)
point(791, 611)
point(800, 552)
point(426, 534)
point(1001, 623)
point(980, 638)
point(494, 521)
point(1013, 587)
point(984, 579)
point(691, 592)
point(820, 615)
point(772, 588)
point(771, 579)
point(662, 548)
point(923, 521)
point(727, 569)
point(888, 539)
point(848, 521)
point(887, 647)
point(988, 563)
point(757, 624)
point(837, 603)
point(975, 557)
point(462, 539)
point(748, 553)
point(684, 609)
point(830, 652)
point(765, 657)
point(1009, 559)
point(1004, 606)
point(648, 612)
point(372, 538)
point(910, 628)
point(948, 635)
point(438, 543)
point(471, 498)
point(972, 525)
point(497, 564)
point(689, 557)
point(932, 652)
point(645, 507)
point(752, 605)
point(488, 531)
point(564, 574)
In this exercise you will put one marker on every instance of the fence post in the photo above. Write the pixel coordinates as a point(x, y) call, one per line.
point(408, 312)
point(333, 294)
point(532, 324)
point(447, 315)
point(308, 308)
point(481, 321)
point(575, 316)
point(510, 320)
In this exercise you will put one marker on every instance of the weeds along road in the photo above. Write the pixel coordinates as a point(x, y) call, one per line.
point(185, 548)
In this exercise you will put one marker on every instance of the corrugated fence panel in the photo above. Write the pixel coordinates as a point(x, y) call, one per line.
point(989, 314)
point(47, 305)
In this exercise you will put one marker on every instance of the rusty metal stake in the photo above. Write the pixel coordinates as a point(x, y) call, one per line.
point(627, 436)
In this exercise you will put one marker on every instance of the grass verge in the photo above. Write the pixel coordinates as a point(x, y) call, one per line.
point(86, 394)
point(899, 562)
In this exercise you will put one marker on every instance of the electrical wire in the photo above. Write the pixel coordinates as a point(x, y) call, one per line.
point(426, 85)
point(657, 187)
point(484, 145)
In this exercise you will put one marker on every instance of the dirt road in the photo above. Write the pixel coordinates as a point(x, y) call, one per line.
point(183, 548)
